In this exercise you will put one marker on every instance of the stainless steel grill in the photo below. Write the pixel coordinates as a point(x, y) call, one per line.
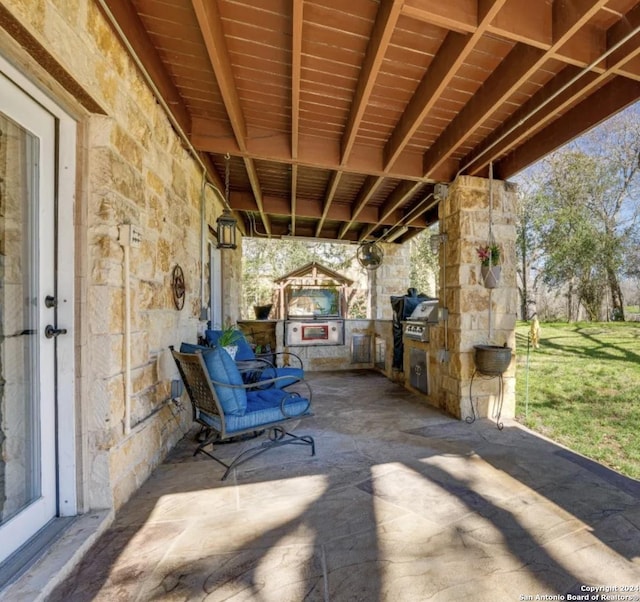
point(417, 326)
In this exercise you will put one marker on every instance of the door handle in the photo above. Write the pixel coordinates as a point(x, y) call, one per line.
point(50, 331)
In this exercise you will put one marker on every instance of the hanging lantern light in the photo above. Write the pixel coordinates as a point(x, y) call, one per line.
point(226, 223)
point(226, 230)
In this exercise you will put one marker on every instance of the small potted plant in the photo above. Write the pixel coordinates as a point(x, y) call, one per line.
point(228, 339)
point(490, 264)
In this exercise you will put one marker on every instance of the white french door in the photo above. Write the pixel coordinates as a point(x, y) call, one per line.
point(28, 450)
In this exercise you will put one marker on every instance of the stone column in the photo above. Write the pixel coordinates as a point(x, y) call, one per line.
point(391, 278)
point(476, 315)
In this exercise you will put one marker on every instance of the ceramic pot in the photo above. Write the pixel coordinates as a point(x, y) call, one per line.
point(231, 350)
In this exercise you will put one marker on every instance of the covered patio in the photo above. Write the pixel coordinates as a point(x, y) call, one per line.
point(401, 502)
point(145, 125)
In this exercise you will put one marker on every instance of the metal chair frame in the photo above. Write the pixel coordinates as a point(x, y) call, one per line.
point(202, 394)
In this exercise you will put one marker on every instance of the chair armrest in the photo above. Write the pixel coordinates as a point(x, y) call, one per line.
point(274, 355)
point(257, 365)
point(261, 384)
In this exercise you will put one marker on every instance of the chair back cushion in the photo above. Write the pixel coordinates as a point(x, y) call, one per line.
point(223, 369)
point(244, 349)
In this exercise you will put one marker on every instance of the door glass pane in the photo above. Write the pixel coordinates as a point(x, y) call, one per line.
point(20, 470)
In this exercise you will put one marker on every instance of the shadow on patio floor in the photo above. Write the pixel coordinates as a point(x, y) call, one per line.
point(400, 503)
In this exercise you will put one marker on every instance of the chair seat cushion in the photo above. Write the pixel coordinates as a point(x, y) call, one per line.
point(295, 375)
point(223, 369)
point(263, 409)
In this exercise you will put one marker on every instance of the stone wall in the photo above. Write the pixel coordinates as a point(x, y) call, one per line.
point(477, 315)
point(391, 278)
point(132, 169)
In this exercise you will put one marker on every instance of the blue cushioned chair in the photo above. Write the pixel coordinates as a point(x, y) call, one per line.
point(265, 366)
point(227, 408)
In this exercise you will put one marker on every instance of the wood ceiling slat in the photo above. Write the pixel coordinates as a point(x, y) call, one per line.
point(331, 105)
point(546, 107)
point(386, 19)
point(509, 76)
point(612, 98)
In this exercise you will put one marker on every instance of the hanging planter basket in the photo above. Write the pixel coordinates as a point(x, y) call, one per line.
point(491, 275)
point(491, 359)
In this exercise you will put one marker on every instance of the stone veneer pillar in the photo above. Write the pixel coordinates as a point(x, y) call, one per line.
point(464, 217)
point(391, 278)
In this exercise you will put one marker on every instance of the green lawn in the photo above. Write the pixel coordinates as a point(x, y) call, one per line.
point(584, 389)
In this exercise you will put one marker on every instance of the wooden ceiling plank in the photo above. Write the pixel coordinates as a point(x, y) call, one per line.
point(386, 19)
point(314, 151)
point(457, 15)
point(133, 29)
point(516, 128)
point(520, 127)
point(211, 28)
point(516, 69)
point(569, 17)
point(334, 181)
point(371, 184)
point(512, 72)
point(618, 32)
point(400, 195)
point(453, 52)
point(296, 67)
point(612, 97)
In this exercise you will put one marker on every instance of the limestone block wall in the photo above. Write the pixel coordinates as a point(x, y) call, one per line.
point(477, 315)
point(133, 168)
point(391, 278)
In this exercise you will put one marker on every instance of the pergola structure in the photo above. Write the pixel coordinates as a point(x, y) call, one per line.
point(340, 117)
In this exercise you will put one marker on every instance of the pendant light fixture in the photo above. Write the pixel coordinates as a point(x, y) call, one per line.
point(226, 223)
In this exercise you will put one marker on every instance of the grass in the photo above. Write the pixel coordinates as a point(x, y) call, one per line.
point(584, 389)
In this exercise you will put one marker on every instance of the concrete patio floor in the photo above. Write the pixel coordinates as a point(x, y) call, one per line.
point(400, 503)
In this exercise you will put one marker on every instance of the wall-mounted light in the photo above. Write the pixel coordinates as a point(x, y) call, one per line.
point(436, 240)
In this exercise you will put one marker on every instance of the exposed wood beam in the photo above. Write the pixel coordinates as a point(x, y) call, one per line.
point(457, 15)
point(450, 57)
point(296, 68)
point(252, 173)
point(520, 125)
point(512, 72)
point(568, 17)
point(294, 198)
point(454, 50)
point(612, 98)
point(521, 63)
point(310, 209)
point(401, 194)
point(210, 25)
point(521, 21)
point(368, 189)
point(388, 13)
point(211, 28)
point(312, 152)
point(123, 11)
point(336, 176)
point(557, 96)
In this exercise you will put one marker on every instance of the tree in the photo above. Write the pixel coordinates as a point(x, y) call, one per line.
point(585, 215)
point(424, 268)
